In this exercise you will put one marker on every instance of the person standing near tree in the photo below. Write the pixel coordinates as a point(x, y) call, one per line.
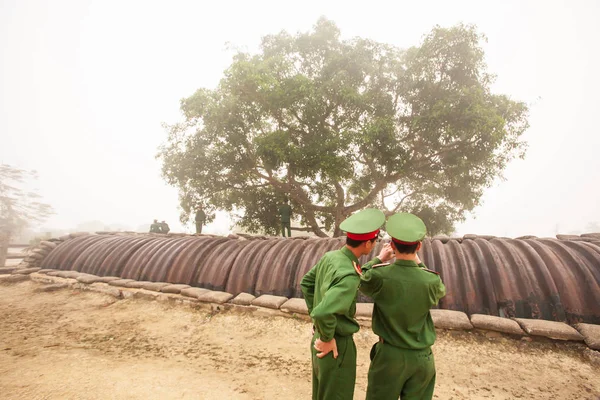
point(330, 289)
point(200, 219)
point(285, 212)
point(402, 364)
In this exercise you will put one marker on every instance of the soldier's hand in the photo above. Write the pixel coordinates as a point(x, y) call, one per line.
point(417, 259)
point(386, 253)
point(326, 348)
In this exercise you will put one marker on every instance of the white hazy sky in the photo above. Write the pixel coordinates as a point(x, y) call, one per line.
point(85, 85)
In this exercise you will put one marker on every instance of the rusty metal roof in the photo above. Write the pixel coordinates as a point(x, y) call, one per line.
point(532, 278)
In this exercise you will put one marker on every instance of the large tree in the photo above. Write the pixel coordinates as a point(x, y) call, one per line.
point(18, 207)
point(338, 125)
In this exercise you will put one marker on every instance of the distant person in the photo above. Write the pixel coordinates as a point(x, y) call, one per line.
point(285, 212)
point(402, 364)
point(155, 227)
point(164, 227)
point(200, 219)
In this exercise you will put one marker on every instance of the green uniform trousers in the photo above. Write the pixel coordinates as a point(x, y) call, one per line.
point(284, 226)
point(400, 373)
point(334, 378)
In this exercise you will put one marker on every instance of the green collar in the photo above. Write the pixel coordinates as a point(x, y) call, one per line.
point(406, 263)
point(349, 254)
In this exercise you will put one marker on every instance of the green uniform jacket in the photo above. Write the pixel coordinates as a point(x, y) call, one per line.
point(330, 289)
point(285, 211)
point(164, 228)
point(404, 293)
point(155, 228)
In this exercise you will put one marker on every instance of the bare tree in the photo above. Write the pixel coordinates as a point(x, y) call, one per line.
point(18, 207)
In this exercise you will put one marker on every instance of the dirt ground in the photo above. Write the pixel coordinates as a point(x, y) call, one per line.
point(81, 345)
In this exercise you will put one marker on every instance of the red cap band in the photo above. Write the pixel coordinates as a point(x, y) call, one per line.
point(363, 236)
point(404, 243)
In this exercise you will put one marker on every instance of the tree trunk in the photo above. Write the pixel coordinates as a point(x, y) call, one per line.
point(318, 232)
point(309, 216)
point(338, 219)
point(4, 237)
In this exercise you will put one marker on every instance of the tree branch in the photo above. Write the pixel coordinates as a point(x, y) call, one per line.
point(379, 185)
point(340, 195)
point(306, 229)
point(402, 200)
point(300, 197)
point(295, 114)
point(393, 193)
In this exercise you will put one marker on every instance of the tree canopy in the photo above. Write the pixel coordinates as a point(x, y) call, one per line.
point(336, 125)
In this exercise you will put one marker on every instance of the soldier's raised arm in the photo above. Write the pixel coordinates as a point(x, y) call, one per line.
point(371, 281)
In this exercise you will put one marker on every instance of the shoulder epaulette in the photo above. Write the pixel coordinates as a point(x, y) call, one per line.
point(357, 268)
point(380, 265)
point(430, 270)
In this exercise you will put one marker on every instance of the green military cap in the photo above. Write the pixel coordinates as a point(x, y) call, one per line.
point(363, 225)
point(405, 228)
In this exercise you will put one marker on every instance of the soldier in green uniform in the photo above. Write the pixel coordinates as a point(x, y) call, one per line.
point(200, 219)
point(164, 227)
point(330, 289)
point(285, 211)
point(402, 363)
point(155, 227)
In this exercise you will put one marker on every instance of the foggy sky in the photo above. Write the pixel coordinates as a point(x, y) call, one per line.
point(85, 85)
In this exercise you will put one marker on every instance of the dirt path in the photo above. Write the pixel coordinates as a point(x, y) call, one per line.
point(81, 345)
